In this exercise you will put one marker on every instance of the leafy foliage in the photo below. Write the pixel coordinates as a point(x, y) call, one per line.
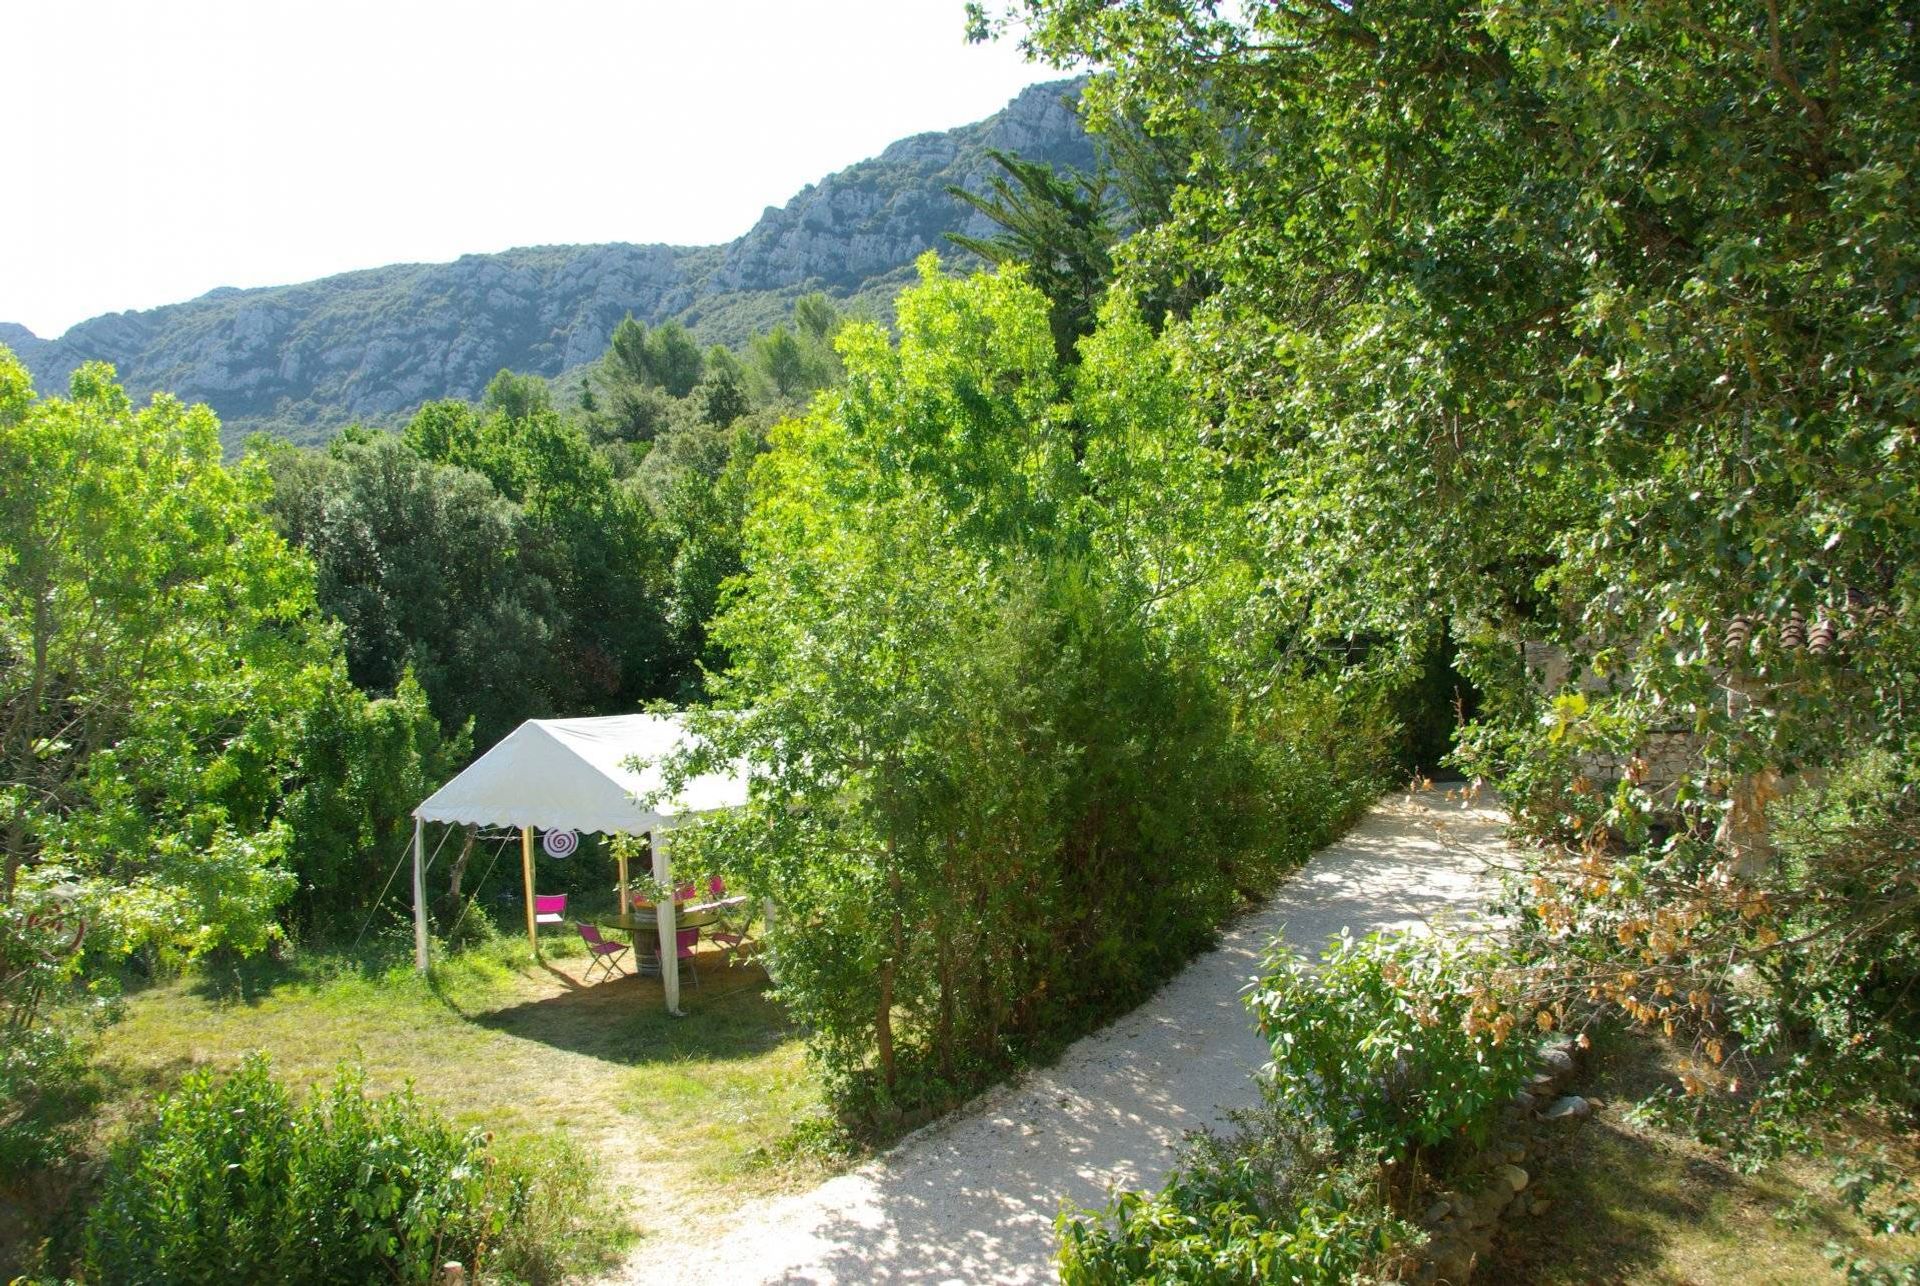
point(416, 560)
point(515, 396)
point(520, 567)
point(1383, 1049)
point(1593, 328)
point(234, 1180)
point(155, 640)
point(643, 368)
point(1395, 1042)
point(365, 764)
point(1885, 1200)
point(949, 628)
point(185, 752)
point(1058, 227)
point(493, 556)
point(1252, 1208)
point(46, 1093)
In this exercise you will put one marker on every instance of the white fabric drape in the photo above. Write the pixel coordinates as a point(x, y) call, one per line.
point(587, 775)
point(580, 774)
point(669, 922)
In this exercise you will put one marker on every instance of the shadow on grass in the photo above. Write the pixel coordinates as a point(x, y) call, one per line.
point(230, 979)
point(382, 951)
point(624, 1020)
point(1633, 1204)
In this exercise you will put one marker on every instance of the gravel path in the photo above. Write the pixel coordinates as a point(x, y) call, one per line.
point(972, 1198)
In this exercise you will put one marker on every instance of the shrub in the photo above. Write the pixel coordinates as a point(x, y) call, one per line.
point(46, 1091)
point(1265, 1204)
point(1394, 1041)
point(233, 1181)
point(45, 1085)
point(565, 1224)
point(1388, 1044)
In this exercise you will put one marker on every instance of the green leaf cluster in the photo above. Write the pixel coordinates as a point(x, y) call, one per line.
point(989, 664)
point(1384, 1049)
point(157, 645)
point(1237, 1212)
point(232, 1180)
point(1394, 1042)
point(1594, 327)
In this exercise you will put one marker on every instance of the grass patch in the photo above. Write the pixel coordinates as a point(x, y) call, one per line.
point(687, 1117)
point(1635, 1203)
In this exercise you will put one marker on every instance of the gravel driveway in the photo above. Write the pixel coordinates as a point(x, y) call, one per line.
point(972, 1198)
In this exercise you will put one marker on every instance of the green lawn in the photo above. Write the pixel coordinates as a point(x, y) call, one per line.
point(688, 1116)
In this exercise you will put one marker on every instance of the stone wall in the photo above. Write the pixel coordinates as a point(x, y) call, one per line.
point(1504, 1181)
point(1658, 763)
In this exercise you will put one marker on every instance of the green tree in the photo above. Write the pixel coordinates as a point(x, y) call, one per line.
point(816, 315)
point(516, 396)
point(629, 407)
point(156, 644)
point(664, 357)
point(721, 359)
point(674, 360)
point(1593, 326)
point(794, 359)
point(948, 624)
point(1058, 227)
point(364, 765)
point(696, 483)
point(722, 397)
point(593, 545)
point(421, 564)
point(786, 362)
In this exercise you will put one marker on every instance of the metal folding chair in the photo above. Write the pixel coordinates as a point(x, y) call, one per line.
point(603, 955)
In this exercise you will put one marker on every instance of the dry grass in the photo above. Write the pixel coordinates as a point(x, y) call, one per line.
point(686, 1114)
point(1643, 1205)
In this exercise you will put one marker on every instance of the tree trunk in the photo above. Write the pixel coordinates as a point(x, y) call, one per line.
point(459, 873)
point(448, 909)
point(943, 941)
point(884, 1018)
point(986, 1020)
point(883, 1025)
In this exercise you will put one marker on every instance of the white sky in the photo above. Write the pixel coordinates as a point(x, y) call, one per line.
point(155, 149)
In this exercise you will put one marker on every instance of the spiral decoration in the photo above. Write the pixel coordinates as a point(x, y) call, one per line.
point(560, 843)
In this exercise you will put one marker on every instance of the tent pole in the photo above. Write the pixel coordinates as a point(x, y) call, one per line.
point(419, 899)
point(526, 875)
point(667, 919)
point(626, 902)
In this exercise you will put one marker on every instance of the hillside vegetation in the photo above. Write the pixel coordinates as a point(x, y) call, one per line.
point(302, 360)
point(1523, 389)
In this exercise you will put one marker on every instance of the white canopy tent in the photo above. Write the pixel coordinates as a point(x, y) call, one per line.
point(579, 774)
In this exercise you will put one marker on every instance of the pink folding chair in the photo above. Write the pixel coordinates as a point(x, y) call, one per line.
point(734, 946)
point(603, 954)
point(715, 890)
point(549, 908)
point(685, 943)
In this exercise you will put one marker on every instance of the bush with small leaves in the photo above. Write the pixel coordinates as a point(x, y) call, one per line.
point(234, 1181)
point(1267, 1203)
point(1395, 1041)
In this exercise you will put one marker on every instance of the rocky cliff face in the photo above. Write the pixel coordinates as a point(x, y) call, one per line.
point(302, 360)
point(875, 216)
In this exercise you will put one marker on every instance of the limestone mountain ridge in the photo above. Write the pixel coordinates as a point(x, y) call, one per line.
point(301, 360)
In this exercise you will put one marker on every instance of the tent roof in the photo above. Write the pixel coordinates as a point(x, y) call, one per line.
point(572, 773)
